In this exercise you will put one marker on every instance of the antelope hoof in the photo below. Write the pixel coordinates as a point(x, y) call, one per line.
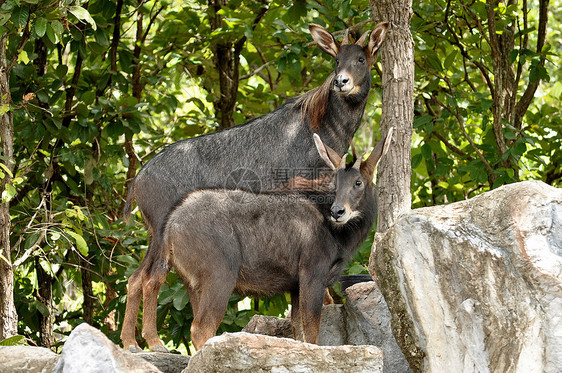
point(159, 348)
point(134, 349)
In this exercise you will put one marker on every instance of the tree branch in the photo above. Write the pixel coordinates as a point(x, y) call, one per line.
point(464, 53)
point(116, 36)
point(527, 97)
point(24, 38)
point(460, 121)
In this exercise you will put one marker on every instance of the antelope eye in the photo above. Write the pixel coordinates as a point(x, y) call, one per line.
point(337, 62)
point(361, 60)
point(358, 183)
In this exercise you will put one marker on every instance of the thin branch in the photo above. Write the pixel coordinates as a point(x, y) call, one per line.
point(442, 138)
point(527, 97)
point(151, 21)
point(116, 36)
point(240, 43)
point(39, 241)
point(450, 146)
point(457, 42)
point(256, 71)
point(24, 38)
point(492, 31)
point(460, 121)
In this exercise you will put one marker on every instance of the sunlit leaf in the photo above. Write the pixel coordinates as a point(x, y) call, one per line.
point(81, 244)
point(83, 15)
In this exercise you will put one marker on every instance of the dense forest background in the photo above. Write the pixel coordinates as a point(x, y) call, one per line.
point(93, 89)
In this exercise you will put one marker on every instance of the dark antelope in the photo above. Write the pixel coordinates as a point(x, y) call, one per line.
point(280, 140)
point(220, 241)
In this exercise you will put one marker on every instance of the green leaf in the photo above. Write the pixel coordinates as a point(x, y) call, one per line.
point(434, 61)
point(356, 269)
point(181, 298)
point(80, 242)
point(4, 17)
point(426, 152)
point(419, 122)
point(416, 159)
point(41, 308)
point(88, 97)
point(51, 34)
point(20, 15)
point(127, 259)
point(23, 57)
point(8, 193)
point(16, 340)
point(510, 135)
point(57, 27)
point(61, 71)
point(101, 38)
point(83, 15)
point(6, 169)
point(450, 59)
point(40, 27)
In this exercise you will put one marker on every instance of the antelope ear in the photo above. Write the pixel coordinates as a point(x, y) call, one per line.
point(328, 154)
point(346, 39)
point(324, 39)
point(370, 165)
point(377, 37)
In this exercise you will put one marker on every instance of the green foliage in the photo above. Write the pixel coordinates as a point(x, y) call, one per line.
point(16, 340)
point(468, 138)
point(89, 104)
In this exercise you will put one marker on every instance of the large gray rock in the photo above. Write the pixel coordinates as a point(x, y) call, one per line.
point(476, 286)
point(368, 322)
point(88, 350)
point(16, 359)
point(363, 320)
point(269, 325)
point(165, 362)
point(245, 352)
point(333, 327)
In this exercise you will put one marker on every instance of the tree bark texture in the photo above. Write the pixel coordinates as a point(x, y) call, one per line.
point(87, 291)
point(227, 65)
point(507, 107)
point(45, 296)
point(8, 315)
point(227, 62)
point(397, 56)
point(394, 171)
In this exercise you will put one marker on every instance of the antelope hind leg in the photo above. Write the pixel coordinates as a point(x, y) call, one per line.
point(134, 296)
point(151, 287)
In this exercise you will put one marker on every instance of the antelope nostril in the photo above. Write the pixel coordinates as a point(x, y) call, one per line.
point(337, 212)
point(341, 80)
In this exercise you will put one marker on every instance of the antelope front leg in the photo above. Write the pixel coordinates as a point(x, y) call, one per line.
point(296, 317)
point(310, 307)
point(210, 306)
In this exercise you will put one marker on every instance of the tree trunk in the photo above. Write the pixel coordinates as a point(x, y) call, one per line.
point(504, 81)
point(226, 57)
point(45, 296)
point(87, 291)
point(227, 65)
point(110, 294)
point(394, 172)
point(8, 315)
point(397, 55)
